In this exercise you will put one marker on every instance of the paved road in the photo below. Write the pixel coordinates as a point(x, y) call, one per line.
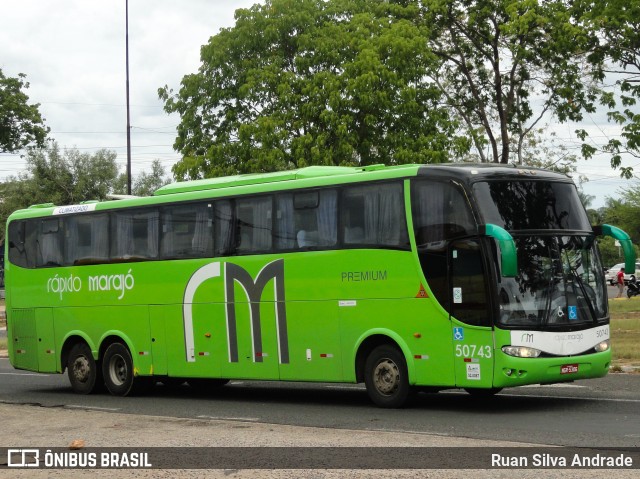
point(601, 412)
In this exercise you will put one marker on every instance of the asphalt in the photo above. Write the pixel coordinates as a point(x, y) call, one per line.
point(59, 427)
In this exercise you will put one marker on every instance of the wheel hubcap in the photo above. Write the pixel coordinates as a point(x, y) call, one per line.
point(81, 369)
point(118, 370)
point(386, 377)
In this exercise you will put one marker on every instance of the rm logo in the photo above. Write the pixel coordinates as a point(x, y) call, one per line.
point(233, 273)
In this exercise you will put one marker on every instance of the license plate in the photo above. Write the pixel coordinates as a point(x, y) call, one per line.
point(568, 369)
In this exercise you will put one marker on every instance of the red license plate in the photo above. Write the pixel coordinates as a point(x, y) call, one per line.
point(568, 369)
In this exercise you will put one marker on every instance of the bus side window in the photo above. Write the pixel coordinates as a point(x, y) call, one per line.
point(373, 215)
point(307, 219)
point(441, 213)
point(223, 226)
point(254, 224)
point(187, 231)
point(134, 234)
point(86, 239)
point(49, 243)
point(22, 243)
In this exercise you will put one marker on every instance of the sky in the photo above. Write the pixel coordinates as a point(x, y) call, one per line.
point(73, 53)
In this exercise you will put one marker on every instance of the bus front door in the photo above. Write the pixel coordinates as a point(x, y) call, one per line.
point(470, 315)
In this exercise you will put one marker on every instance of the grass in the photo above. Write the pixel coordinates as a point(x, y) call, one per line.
point(625, 332)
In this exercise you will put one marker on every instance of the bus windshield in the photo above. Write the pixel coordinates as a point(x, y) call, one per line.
point(531, 204)
point(558, 284)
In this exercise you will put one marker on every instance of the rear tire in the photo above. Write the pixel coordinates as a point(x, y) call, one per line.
point(386, 377)
point(117, 369)
point(82, 369)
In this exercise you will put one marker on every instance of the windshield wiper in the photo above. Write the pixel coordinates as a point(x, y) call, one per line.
point(578, 280)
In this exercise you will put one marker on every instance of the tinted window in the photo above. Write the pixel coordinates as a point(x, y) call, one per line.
point(223, 227)
point(49, 241)
point(254, 224)
point(22, 239)
point(134, 234)
point(441, 213)
point(522, 205)
point(468, 279)
point(187, 231)
point(86, 239)
point(374, 215)
point(307, 219)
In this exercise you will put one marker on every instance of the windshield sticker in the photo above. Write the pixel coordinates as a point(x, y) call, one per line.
point(573, 313)
point(457, 295)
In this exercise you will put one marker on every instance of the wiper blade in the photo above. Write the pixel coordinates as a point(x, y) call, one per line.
point(578, 280)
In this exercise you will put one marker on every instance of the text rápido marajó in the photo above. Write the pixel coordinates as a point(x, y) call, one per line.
point(120, 283)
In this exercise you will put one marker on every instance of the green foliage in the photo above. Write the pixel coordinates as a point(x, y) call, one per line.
point(21, 124)
point(625, 213)
point(58, 177)
point(610, 253)
point(145, 183)
point(615, 25)
point(497, 57)
point(313, 82)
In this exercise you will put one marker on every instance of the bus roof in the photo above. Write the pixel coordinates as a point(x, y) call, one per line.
point(262, 178)
point(311, 176)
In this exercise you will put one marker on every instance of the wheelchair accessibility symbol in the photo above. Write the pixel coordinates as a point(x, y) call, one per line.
point(573, 312)
point(458, 334)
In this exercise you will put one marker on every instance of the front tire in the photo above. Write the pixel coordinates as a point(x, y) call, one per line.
point(119, 377)
point(82, 369)
point(386, 377)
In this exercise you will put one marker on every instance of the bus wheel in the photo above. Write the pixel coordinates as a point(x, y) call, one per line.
point(117, 369)
point(81, 369)
point(386, 377)
point(483, 393)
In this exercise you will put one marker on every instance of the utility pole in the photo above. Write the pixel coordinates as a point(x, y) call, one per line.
point(128, 114)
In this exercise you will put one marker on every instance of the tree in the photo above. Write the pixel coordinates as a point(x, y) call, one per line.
point(312, 82)
point(60, 178)
point(21, 124)
point(623, 212)
point(504, 64)
point(616, 26)
point(145, 183)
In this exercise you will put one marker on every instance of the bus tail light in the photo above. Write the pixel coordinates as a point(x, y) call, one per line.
point(602, 346)
point(521, 351)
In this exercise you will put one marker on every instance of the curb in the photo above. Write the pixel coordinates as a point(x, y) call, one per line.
point(4, 354)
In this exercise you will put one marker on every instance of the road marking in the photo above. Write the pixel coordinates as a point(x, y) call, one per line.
point(552, 386)
point(92, 408)
point(222, 418)
point(573, 398)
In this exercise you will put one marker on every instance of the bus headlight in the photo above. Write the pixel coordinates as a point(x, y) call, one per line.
point(602, 346)
point(521, 351)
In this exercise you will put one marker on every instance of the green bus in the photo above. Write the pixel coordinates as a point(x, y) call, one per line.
point(413, 277)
